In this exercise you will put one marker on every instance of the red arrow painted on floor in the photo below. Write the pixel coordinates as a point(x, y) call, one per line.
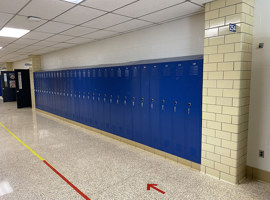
point(149, 186)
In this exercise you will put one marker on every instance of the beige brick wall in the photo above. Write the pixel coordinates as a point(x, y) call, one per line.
point(36, 66)
point(227, 68)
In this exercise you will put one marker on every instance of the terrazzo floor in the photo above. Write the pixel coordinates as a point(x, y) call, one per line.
point(102, 168)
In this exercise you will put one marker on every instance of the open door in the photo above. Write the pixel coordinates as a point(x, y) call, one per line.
point(23, 91)
point(8, 86)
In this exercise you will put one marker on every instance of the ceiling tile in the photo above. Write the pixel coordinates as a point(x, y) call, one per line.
point(79, 15)
point(130, 25)
point(33, 47)
point(78, 31)
point(144, 7)
point(106, 21)
point(45, 43)
point(63, 45)
point(12, 6)
point(54, 27)
point(59, 38)
point(80, 40)
point(201, 2)
point(101, 34)
point(25, 41)
point(46, 9)
point(35, 35)
point(173, 12)
point(17, 46)
point(24, 23)
point(4, 18)
point(24, 51)
point(7, 40)
point(107, 5)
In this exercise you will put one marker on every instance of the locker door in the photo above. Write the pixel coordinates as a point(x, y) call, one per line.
point(166, 108)
point(94, 98)
point(89, 92)
point(127, 104)
point(178, 114)
point(83, 97)
point(67, 96)
point(106, 101)
point(194, 110)
point(154, 105)
point(76, 94)
point(99, 87)
point(61, 94)
point(145, 105)
point(73, 81)
point(65, 111)
point(119, 101)
point(136, 103)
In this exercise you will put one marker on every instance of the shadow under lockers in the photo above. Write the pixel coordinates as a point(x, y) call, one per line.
point(159, 105)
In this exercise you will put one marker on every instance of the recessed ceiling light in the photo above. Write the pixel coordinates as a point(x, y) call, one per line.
point(1, 47)
point(33, 18)
point(13, 32)
point(74, 1)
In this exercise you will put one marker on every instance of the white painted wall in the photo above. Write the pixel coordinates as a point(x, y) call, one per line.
point(183, 37)
point(21, 64)
point(259, 119)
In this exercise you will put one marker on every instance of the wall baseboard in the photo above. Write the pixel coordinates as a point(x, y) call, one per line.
point(258, 174)
point(182, 161)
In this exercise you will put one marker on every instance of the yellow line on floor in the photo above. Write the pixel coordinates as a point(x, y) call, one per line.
point(22, 142)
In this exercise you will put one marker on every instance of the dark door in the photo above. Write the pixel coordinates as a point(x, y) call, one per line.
point(23, 91)
point(8, 86)
point(0, 86)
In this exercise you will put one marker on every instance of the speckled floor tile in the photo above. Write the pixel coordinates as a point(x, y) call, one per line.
point(102, 168)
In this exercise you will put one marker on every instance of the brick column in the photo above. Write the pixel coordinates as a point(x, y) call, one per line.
point(227, 68)
point(36, 66)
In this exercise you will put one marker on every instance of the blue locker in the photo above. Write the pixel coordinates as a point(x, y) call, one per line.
point(106, 100)
point(178, 113)
point(73, 109)
point(83, 97)
point(136, 103)
point(166, 107)
point(94, 98)
point(193, 112)
point(145, 105)
point(112, 100)
point(127, 104)
point(99, 89)
point(155, 105)
point(89, 98)
point(119, 101)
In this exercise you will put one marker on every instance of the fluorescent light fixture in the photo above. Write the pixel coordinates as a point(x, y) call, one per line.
point(13, 32)
point(74, 1)
point(33, 18)
point(1, 47)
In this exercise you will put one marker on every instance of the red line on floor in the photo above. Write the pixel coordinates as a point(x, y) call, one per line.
point(67, 181)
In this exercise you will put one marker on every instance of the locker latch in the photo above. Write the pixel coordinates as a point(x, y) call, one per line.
point(189, 105)
point(117, 101)
point(142, 102)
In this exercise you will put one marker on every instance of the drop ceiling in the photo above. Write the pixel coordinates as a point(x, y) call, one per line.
point(65, 24)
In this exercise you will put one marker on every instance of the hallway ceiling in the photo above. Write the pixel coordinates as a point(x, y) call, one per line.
point(65, 24)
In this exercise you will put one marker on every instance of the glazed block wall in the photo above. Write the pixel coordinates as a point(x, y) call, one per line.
point(227, 71)
point(183, 37)
point(158, 105)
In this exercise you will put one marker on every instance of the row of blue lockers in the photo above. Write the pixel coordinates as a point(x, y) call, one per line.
point(158, 104)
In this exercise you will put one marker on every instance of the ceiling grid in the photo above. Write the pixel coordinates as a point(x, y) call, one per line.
point(64, 24)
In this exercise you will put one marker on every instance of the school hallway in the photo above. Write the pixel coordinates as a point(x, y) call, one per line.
point(100, 167)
